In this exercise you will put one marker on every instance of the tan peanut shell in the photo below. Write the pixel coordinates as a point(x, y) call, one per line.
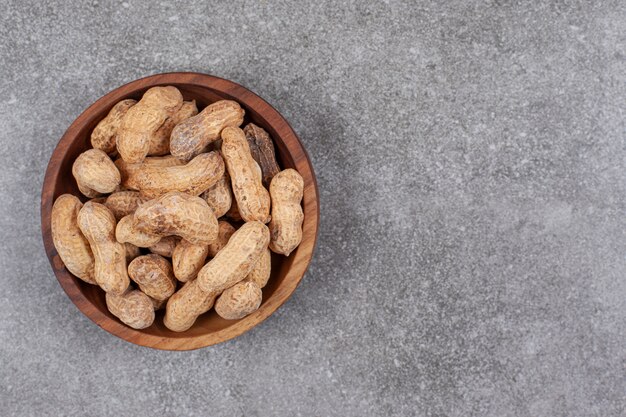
point(154, 276)
point(260, 274)
point(262, 150)
point(133, 308)
point(184, 307)
point(142, 121)
point(126, 232)
point(103, 135)
point(233, 212)
point(123, 203)
point(190, 137)
point(72, 247)
point(95, 172)
point(286, 190)
point(192, 178)
point(98, 225)
point(235, 261)
point(239, 300)
point(219, 196)
point(253, 200)
point(129, 172)
point(101, 199)
point(88, 192)
point(158, 304)
point(188, 259)
point(166, 246)
point(225, 231)
point(132, 252)
point(160, 141)
point(179, 214)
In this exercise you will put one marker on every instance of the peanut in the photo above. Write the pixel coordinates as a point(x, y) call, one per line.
point(193, 178)
point(123, 203)
point(166, 246)
point(103, 135)
point(88, 192)
point(226, 230)
point(184, 307)
point(95, 173)
point(133, 308)
point(233, 212)
point(179, 214)
point(100, 199)
point(142, 121)
point(154, 276)
point(98, 225)
point(245, 296)
point(219, 196)
point(188, 259)
point(132, 252)
point(191, 136)
point(72, 247)
point(286, 190)
point(262, 150)
point(235, 261)
point(239, 300)
point(126, 232)
point(129, 171)
point(253, 200)
point(160, 141)
point(260, 274)
point(158, 304)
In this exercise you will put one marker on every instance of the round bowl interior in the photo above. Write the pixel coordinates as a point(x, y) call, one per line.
point(287, 272)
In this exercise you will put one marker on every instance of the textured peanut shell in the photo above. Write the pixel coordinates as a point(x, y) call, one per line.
point(142, 121)
point(286, 190)
point(192, 178)
point(190, 137)
point(158, 304)
point(87, 192)
point(160, 141)
point(126, 232)
point(123, 203)
point(233, 212)
point(100, 200)
point(260, 274)
point(225, 231)
point(105, 132)
point(184, 307)
point(219, 196)
point(72, 247)
point(98, 225)
point(132, 252)
point(166, 246)
point(94, 171)
point(188, 259)
point(129, 172)
point(253, 200)
point(262, 150)
point(154, 276)
point(239, 300)
point(235, 261)
point(133, 308)
point(179, 214)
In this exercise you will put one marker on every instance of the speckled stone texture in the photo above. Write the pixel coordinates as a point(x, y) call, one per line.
point(471, 163)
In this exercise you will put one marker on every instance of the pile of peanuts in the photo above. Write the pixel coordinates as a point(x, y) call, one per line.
point(179, 211)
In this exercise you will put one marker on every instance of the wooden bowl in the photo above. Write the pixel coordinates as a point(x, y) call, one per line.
point(287, 272)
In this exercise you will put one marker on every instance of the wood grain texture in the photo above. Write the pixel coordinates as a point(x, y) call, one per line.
point(209, 329)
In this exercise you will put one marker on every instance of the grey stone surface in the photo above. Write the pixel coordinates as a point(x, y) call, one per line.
point(470, 158)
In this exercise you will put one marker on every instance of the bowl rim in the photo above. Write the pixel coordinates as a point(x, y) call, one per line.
point(295, 272)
